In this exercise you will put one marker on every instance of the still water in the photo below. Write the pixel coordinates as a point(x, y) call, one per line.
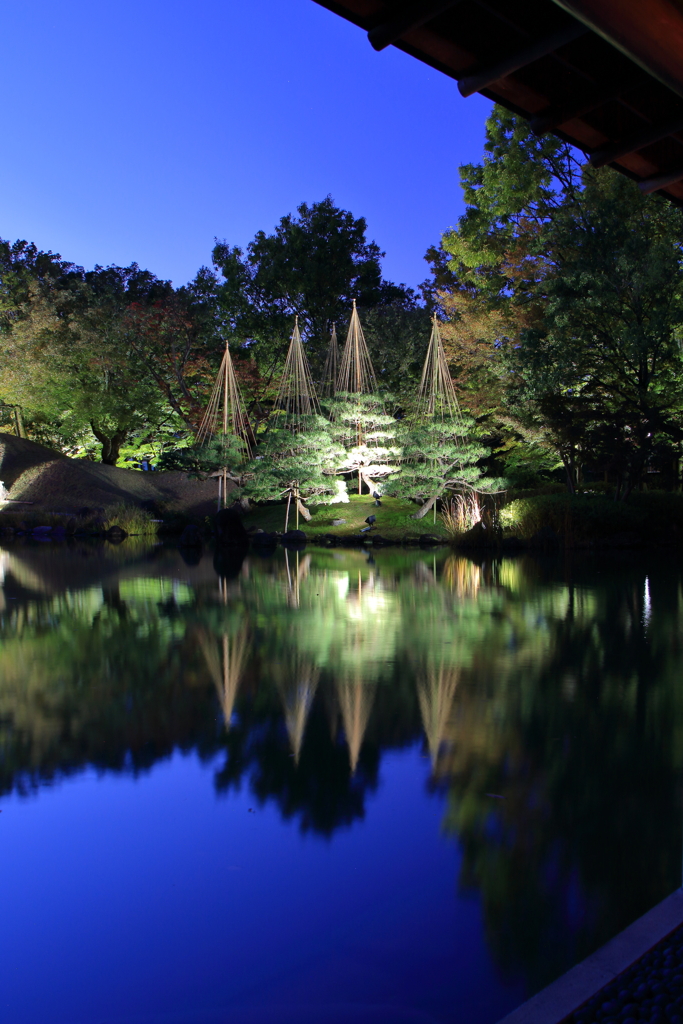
point(326, 787)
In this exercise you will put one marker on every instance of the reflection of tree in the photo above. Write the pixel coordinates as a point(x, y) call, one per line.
point(318, 790)
point(537, 682)
point(225, 661)
point(563, 776)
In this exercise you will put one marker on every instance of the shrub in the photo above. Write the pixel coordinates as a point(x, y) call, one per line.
point(655, 515)
point(132, 519)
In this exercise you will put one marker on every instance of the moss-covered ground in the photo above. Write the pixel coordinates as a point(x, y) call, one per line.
point(394, 519)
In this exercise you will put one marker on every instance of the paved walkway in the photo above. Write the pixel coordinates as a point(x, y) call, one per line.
point(637, 978)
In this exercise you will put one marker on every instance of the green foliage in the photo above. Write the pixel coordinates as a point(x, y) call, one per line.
point(202, 460)
point(135, 521)
point(312, 266)
point(359, 423)
point(570, 282)
point(438, 456)
point(604, 366)
point(302, 463)
point(649, 516)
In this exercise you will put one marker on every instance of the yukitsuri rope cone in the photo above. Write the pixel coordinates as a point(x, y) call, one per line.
point(356, 374)
point(436, 396)
point(331, 367)
point(297, 397)
point(225, 415)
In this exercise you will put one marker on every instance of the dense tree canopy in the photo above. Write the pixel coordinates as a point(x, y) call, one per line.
point(562, 286)
point(312, 266)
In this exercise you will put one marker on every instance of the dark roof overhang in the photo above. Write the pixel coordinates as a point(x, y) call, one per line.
point(605, 75)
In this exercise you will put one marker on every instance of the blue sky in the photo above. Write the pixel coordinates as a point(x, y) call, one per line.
point(142, 130)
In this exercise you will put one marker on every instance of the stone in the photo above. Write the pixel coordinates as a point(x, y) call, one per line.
point(338, 522)
point(229, 528)
point(428, 538)
point(294, 537)
point(41, 531)
point(116, 534)
point(191, 537)
point(260, 539)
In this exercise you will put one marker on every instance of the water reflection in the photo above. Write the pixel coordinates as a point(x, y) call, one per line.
point(548, 697)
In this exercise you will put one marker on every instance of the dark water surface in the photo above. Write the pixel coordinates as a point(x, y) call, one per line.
point(327, 787)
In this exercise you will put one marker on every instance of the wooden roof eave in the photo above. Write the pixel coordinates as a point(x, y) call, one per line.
point(643, 48)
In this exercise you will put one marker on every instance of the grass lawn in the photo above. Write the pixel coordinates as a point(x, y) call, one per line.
point(393, 519)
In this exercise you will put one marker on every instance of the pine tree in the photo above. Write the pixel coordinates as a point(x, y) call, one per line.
point(299, 465)
point(368, 435)
point(297, 457)
point(438, 457)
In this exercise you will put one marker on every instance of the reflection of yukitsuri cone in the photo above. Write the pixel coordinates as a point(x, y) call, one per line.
point(436, 394)
point(296, 397)
point(356, 374)
point(355, 701)
point(436, 693)
point(331, 368)
point(297, 697)
point(225, 662)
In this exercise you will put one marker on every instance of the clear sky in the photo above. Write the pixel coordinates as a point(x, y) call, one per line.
point(140, 130)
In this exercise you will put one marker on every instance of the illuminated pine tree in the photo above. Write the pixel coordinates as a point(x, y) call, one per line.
point(297, 458)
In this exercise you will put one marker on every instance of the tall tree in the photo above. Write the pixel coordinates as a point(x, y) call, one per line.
point(312, 266)
point(566, 281)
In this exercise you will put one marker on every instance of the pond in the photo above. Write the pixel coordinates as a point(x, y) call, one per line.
point(327, 787)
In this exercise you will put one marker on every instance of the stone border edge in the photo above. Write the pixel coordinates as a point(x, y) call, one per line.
point(554, 1004)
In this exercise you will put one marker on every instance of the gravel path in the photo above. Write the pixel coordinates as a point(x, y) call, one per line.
point(649, 992)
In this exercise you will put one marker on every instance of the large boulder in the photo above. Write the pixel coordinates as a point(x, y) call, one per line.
point(191, 537)
point(229, 528)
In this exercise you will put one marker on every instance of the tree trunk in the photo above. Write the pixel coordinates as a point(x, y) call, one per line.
point(569, 470)
point(369, 483)
point(424, 509)
point(111, 444)
point(19, 422)
point(303, 510)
